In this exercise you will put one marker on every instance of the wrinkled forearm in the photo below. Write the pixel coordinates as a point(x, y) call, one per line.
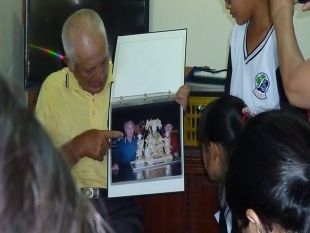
point(71, 152)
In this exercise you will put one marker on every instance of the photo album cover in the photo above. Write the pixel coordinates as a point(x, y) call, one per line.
point(149, 158)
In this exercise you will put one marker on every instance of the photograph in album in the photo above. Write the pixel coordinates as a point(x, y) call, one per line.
point(150, 148)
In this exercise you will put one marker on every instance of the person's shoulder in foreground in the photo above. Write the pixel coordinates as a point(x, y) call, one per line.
point(36, 189)
point(267, 182)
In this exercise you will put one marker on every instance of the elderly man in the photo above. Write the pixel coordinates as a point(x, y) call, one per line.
point(73, 107)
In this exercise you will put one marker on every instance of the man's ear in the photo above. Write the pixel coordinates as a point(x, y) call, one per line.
point(255, 224)
point(67, 63)
point(66, 60)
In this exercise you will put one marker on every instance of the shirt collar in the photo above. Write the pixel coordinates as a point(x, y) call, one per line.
point(71, 82)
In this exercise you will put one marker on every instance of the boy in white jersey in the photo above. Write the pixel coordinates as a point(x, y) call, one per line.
point(253, 72)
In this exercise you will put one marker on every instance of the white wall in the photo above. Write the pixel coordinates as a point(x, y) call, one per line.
point(209, 25)
point(302, 28)
point(11, 44)
point(207, 21)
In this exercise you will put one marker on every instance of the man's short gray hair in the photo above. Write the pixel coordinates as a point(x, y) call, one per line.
point(83, 18)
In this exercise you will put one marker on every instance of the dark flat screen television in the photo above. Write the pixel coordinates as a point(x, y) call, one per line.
point(43, 24)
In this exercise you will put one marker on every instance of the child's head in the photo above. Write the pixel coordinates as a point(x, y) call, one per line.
point(219, 126)
point(242, 10)
point(268, 177)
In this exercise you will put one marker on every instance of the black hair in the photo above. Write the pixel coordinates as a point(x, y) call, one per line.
point(269, 172)
point(37, 192)
point(221, 122)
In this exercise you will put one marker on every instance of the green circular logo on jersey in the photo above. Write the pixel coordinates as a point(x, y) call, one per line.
point(262, 84)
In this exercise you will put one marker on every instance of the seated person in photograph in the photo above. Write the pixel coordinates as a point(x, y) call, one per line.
point(268, 177)
point(126, 149)
point(219, 127)
point(37, 192)
point(139, 128)
point(73, 103)
point(294, 68)
point(170, 140)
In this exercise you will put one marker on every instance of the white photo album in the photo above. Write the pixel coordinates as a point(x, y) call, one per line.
point(148, 71)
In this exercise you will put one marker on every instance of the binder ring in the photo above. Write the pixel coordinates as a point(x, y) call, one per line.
point(120, 99)
point(145, 96)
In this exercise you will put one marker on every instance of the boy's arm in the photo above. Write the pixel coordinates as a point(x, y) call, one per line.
point(294, 69)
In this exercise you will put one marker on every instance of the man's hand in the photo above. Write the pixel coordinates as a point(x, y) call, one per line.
point(92, 143)
point(182, 95)
point(306, 6)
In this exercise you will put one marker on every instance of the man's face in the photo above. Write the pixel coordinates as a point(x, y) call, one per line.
point(92, 64)
point(129, 130)
point(168, 128)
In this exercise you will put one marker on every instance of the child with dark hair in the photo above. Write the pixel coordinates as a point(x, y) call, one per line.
point(219, 126)
point(268, 177)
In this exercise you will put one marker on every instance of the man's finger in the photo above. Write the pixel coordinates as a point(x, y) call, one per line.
point(112, 134)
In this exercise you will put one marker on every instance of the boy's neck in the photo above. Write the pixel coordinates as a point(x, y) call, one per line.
point(261, 19)
point(259, 26)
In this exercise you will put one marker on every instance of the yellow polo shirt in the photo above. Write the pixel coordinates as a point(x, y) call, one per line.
point(66, 110)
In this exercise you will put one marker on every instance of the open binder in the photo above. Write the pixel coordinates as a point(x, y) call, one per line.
point(148, 71)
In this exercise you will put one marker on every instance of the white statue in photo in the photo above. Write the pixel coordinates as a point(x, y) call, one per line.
point(140, 144)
